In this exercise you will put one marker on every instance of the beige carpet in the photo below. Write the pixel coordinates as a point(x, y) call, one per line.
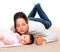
point(48, 47)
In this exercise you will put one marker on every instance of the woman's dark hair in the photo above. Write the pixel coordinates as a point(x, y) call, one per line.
point(20, 15)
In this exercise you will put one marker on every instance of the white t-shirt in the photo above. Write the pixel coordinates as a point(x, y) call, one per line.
point(39, 29)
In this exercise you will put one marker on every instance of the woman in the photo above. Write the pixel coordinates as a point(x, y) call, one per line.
point(35, 25)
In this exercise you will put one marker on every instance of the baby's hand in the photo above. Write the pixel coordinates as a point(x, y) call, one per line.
point(39, 40)
point(1, 37)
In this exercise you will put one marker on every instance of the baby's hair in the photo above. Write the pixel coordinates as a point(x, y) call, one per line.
point(31, 39)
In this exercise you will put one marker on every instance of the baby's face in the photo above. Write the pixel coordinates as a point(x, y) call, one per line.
point(24, 39)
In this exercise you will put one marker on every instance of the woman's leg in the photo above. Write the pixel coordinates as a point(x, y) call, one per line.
point(47, 24)
point(44, 19)
point(32, 13)
point(43, 16)
point(41, 13)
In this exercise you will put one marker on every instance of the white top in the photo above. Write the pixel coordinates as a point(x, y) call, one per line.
point(38, 28)
point(9, 35)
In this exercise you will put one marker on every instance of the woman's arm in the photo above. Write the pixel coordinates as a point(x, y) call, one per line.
point(38, 28)
point(39, 40)
point(50, 36)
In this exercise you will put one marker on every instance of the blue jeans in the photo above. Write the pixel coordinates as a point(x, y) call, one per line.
point(43, 17)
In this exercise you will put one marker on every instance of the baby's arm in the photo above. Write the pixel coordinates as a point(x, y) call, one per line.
point(18, 37)
point(1, 37)
point(5, 41)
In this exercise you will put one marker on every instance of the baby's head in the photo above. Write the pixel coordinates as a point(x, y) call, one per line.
point(27, 39)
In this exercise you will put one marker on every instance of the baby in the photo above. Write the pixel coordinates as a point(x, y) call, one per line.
point(8, 37)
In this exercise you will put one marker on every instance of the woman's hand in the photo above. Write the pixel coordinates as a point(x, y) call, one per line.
point(39, 40)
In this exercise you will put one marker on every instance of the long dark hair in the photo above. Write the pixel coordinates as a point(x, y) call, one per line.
point(31, 39)
point(20, 15)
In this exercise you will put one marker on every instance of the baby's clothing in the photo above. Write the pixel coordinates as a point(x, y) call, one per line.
point(9, 35)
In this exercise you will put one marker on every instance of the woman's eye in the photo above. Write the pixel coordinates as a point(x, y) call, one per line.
point(23, 24)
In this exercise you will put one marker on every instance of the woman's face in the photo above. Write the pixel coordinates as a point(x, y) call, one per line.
point(21, 26)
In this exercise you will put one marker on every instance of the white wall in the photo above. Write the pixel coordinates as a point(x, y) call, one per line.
point(9, 7)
